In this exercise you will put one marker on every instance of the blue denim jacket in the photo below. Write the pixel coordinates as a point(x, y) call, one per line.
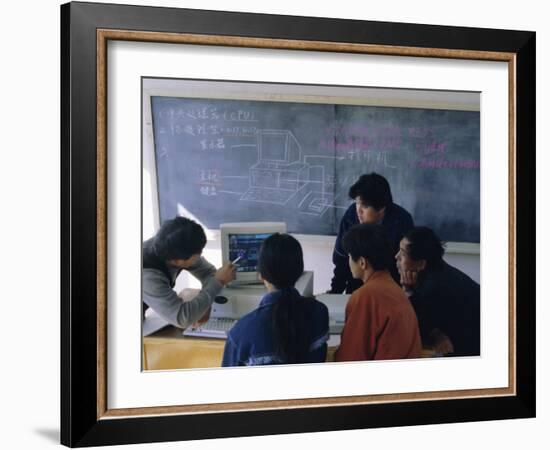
point(251, 340)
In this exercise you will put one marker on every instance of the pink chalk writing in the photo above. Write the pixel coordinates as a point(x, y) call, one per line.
point(426, 163)
point(349, 143)
point(420, 132)
point(371, 157)
point(429, 148)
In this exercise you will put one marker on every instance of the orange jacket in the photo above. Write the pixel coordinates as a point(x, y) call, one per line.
point(380, 323)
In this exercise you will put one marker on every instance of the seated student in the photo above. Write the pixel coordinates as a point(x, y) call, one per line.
point(380, 321)
point(178, 246)
point(286, 328)
point(374, 205)
point(446, 300)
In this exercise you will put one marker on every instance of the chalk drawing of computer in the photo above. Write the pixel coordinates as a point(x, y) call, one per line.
point(279, 173)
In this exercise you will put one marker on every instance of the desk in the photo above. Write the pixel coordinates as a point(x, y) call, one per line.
point(167, 349)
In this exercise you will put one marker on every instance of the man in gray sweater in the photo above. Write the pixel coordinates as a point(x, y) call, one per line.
point(178, 246)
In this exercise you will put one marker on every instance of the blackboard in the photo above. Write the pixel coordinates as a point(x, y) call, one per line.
point(243, 160)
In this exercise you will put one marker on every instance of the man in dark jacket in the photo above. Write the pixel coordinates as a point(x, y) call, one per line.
point(373, 205)
point(446, 300)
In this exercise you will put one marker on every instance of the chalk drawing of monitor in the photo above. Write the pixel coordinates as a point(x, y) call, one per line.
point(278, 147)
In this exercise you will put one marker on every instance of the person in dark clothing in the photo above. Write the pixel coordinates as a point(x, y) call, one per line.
point(373, 205)
point(286, 328)
point(446, 300)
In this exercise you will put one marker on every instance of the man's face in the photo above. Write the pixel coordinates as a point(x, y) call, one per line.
point(356, 267)
point(185, 263)
point(368, 214)
point(403, 261)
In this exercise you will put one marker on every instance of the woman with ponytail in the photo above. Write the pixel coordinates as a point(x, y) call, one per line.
point(286, 328)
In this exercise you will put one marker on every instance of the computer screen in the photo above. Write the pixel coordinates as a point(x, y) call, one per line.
point(246, 247)
point(244, 240)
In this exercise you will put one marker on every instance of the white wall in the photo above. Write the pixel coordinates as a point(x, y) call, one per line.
point(30, 226)
point(469, 264)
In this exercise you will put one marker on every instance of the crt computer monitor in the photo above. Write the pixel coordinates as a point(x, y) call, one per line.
point(245, 239)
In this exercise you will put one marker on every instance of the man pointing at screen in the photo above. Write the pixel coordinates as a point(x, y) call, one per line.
point(178, 246)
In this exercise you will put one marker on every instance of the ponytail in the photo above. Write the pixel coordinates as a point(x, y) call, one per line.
point(281, 263)
point(291, 344)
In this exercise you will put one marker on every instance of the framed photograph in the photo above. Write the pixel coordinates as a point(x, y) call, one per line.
point(236, 117)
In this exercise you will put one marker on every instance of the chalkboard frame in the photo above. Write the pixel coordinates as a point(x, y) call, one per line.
point(85, 421)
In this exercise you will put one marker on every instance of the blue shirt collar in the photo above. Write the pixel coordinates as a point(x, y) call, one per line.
point(272, 297)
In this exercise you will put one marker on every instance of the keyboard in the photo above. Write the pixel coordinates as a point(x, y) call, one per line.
point(216, 327)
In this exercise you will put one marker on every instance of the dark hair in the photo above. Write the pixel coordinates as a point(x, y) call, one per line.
point(281, 263)
point(373, 190)
point(425, 244)
point(281, 260)
point(179, 238)
point(371, 242)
